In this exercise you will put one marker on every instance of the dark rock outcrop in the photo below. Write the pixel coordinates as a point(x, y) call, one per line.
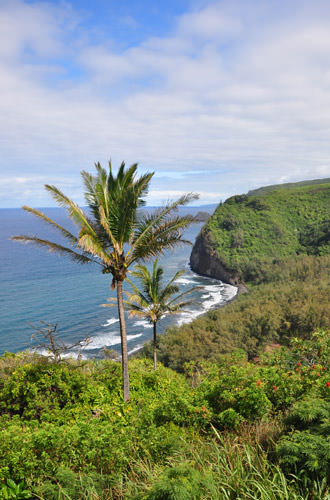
point(205, 261)
point(202, 217)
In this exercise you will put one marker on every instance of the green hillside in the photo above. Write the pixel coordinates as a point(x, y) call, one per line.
point(245, 232)
point(265, 189)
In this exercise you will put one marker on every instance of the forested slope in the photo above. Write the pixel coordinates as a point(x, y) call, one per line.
point(291, 301)
point(247, 233)
point(277, 241)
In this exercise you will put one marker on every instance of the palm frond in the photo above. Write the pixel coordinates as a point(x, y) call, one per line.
point(187, 292)
point(104, 223)
point(142, 187)
point(133, 310)
point(148, 224)
point(156, 234)
point(89, 183)
point(151, 301)
point(168, 291)
point(114, 200)
point(55, 247)
point(91, 244)
point(156, 245)
point(145, 299)
point(141, 272)
point(172, 281)
point(74, 211)
point(65, 233)
point(176, 308)
point(127, 204)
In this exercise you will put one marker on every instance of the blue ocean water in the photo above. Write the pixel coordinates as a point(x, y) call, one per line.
point(37, 285)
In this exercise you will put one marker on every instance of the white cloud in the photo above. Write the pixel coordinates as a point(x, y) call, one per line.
point(221, 92)
point(37, 28)
point(18, 191)
point(210, 23)
point(162, 196)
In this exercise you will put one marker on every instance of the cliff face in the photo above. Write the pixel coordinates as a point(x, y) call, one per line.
point(248, 233)
point(204, 260)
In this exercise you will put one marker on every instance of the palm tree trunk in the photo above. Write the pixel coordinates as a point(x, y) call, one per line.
point(124, 353)
point(155, 347)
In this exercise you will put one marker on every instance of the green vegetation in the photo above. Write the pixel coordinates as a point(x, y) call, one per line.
point(222, 430)
point(291, 300)
point(278, 401)
point(154, 300)
point(239, 407)
point(114, 235)
point(248, 232)
point(286, 185)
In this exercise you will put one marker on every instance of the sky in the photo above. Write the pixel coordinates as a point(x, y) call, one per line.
point(214, 97)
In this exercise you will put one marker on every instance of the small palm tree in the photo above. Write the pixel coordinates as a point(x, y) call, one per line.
point(153, 301)
point(114, 233)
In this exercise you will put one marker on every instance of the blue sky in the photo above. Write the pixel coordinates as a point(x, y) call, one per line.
point(214, 97)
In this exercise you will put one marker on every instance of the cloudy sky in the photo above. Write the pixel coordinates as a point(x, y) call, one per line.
point(214, 97)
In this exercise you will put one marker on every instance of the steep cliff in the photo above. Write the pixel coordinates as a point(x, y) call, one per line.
point(248, 232)
point(205, 260)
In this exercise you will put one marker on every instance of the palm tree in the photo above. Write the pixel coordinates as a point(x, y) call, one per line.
point(114, 233)
point(153, 301)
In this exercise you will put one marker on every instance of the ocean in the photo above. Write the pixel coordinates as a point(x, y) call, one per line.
point(40, 286)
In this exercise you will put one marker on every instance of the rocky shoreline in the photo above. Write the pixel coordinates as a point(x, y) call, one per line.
point(204, 261)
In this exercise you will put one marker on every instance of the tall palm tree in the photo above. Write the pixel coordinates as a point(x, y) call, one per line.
point(114, 233)
point(154, 300)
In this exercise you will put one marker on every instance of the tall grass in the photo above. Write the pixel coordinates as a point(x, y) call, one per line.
point(221, 468)
point(218, 467)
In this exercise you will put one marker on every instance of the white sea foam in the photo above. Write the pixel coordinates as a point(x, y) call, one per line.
point(98, 343)
point(219, 296)
point(74, 355)
point(216, 295)
point(213, 288)
point(136, 348)
point(188, 316)
point(131, 337)
point(108, 340)
point(70, 354)
point(184, 280)
point(111, 321)
point(215, 299)
point(230, 292)
point(42, 352)
point(142, 322)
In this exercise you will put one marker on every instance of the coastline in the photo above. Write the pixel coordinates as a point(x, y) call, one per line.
point(241, 288)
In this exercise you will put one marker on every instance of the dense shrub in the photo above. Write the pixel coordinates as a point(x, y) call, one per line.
point(229, 222)
point(316, 238)
point(258, 204)
point(170, 439)
point(178, 483)
point(305, 447)
point(292, 301)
